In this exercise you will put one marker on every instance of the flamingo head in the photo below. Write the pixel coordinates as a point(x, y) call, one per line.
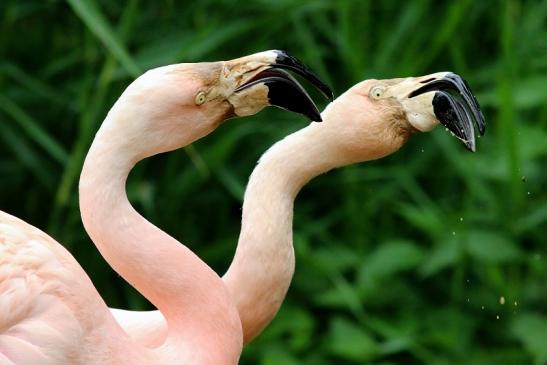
point(376, 117)
point(171, 106)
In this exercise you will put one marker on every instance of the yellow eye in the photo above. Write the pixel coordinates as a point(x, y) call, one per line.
point(200, 98)
point(377, 92)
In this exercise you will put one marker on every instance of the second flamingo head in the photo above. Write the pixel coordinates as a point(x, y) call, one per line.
point(374, 118)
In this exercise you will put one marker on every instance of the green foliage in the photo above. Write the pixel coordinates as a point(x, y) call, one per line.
point(399, 261)
point(531, 329)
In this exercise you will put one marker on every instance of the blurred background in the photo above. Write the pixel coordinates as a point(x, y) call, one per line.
point(431, 256)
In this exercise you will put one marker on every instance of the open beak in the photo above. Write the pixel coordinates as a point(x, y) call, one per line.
point(283, 90)
point(454, 106)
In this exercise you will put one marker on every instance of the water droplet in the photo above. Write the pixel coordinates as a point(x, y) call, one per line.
point(482, 307)
point(523, 178)
point(497, 316)
point(461, 219)
point(422, 150)
point(502, 300)
point(467, 280)
point(467, 300)
point(453, 233)
point(516, 303)
point(528, 193)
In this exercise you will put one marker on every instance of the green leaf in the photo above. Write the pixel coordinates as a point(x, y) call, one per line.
point(278, 355)
point(336, 259)
point(33, 128)
point(295, 324)
point(349, 341)
point(531, 92)
point(24, 154)
point(91, 15)
point(390, 258)
point(446, 253)
point(233, 185)
point(422, 217)
point(532, 142)
point(343, 294)
point(32, 83)
point(491, 247)
point(534, 218)
point(531, 330)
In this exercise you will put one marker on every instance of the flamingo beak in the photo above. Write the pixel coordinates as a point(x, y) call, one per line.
point(284, 91)
point(454, 106)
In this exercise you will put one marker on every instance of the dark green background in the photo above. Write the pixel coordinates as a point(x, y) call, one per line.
point(399, 261)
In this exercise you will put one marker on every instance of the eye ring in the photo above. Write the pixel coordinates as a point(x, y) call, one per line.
point(377, 92)
point(200, 98)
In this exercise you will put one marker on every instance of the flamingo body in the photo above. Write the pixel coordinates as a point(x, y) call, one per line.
point(49, 307)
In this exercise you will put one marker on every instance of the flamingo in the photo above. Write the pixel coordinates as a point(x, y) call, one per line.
point(50, 312)
point(369, 121)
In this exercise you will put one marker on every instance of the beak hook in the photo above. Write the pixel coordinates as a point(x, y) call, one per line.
point(286, 61)
point(457, 112)
point(284, 91)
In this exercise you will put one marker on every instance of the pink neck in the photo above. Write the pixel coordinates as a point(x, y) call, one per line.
point(189, 294)
point(262, 268)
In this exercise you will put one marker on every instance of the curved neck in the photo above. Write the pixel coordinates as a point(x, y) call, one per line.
point(263, 265)
point(189, 294)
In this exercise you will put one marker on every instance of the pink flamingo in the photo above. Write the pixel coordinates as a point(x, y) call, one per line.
point(50, 312)
point(371, 120)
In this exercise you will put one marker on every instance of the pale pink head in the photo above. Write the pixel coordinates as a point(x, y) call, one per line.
point(171, 106)
point(375, 118)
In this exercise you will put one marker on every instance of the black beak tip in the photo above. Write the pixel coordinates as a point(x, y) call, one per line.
point(470, 145)
point(288, 95)
point(284, 60)
point(314, 116)
point(310, 111)
point(455, 107)
point(482, 125)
